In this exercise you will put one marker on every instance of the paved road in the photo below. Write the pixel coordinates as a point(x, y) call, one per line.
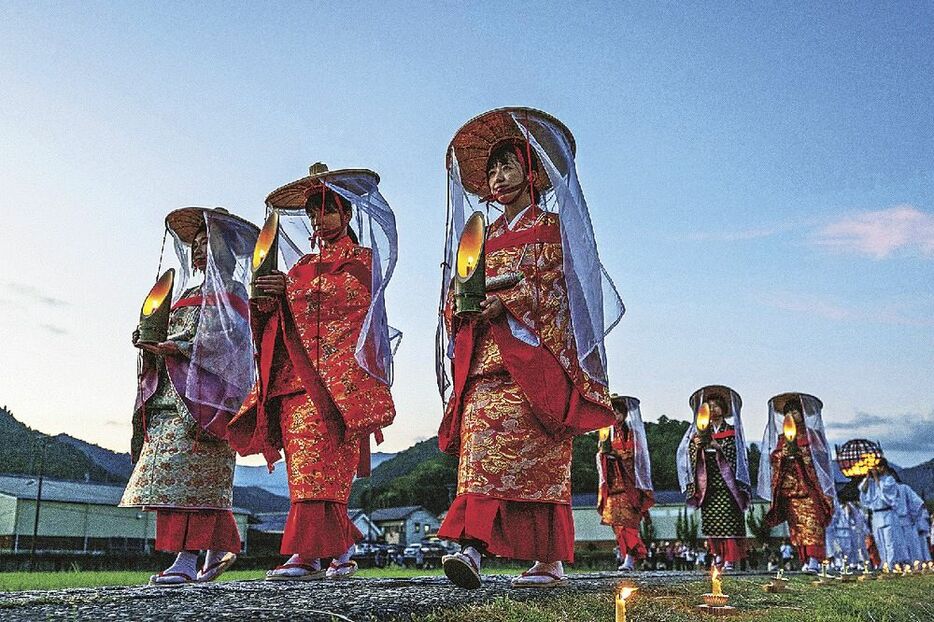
point(357, 600)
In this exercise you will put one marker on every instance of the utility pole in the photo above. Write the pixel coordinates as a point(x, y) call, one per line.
point(35, 524)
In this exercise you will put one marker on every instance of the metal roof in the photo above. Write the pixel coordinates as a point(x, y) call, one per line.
point(400, 513)
point(24, 487)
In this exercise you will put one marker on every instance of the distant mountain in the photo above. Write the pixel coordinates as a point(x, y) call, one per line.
point(257, 500)
point(276, 482)
point(921, 478)
point(20, 450)
point(380, 457)
point(118, 465)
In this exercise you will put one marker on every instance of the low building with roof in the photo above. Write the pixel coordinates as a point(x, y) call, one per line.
point(669, 504)
point(267, 528)
point(77, 517)
point(405, 525)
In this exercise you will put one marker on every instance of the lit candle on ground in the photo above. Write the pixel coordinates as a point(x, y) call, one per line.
point(715, 583)
point(624, 593)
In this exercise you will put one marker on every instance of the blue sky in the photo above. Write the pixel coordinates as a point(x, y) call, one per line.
point(761, 181)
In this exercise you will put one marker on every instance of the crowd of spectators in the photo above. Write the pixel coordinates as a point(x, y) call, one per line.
point(677, 555)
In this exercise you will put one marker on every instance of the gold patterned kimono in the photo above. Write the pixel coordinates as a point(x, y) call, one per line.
point(506, 451)
point(179, 465)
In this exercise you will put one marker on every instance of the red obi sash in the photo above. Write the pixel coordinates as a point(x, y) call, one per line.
point(724, 434)
point(546, 233)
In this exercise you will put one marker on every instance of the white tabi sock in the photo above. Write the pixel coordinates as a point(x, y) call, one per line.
point(474, 555)
point(213, 557)
point(298, 559)
point(555, 568)
point(185, 563)
point(343, 559)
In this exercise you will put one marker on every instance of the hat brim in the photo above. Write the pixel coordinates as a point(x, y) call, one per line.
point(293, 195)
point(778, 402)
point(475, 140)
point(187, 221)
point(719, 390)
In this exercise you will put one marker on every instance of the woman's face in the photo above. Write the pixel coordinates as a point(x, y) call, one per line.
point(506, 180)
point(796, 415)
point(331, 220)
point(716, 413)
point(620, 413)
point(199, 250)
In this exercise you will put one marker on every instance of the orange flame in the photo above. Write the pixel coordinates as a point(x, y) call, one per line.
point(265, 240)
point(790, 429)
point(159, 292)
point(715, 582)
point(626, 592)
point(604, 434)
point(471, 245)
point(703, 417)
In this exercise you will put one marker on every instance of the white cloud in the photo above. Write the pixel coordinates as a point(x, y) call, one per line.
point(880, 233)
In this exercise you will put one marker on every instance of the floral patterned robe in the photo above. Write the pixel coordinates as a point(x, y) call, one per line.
point(178, 465)
point(797, 497)
point(519, 393)
point(312, 398)
point(619, 501)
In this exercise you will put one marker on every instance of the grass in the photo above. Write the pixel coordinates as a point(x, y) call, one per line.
point(901, 600)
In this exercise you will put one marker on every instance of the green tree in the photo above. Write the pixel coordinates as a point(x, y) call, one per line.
point(757, 526)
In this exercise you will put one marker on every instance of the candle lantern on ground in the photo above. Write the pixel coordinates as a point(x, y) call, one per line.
point(823, 577)
point(154, 315)
point(715, 601)
point(266, 251)
point(778, 582)
point(470, 273)
point(621, 597)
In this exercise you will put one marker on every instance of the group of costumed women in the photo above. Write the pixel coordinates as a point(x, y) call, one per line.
point(300, 362)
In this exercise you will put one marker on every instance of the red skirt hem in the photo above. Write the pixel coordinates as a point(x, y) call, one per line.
point(316, 529)
point(523, 530)
point(629, 541)
point(817, 551)
point(728, 549)
point(196, 530)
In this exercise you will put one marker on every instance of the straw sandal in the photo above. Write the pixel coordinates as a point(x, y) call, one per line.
point(311, 573)
point(209, 573)
point(155, 580)
point(461, 570)
point(556, 581)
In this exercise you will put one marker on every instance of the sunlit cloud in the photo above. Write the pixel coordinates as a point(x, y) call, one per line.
point(908, 433)
point(881, 233)
point(819, 308)
point(734, 236)
point(55, 330)
point(33, 294)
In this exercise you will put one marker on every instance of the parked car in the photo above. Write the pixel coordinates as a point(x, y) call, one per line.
point(424, 555)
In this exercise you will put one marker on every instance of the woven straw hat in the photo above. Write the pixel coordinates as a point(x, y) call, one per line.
point(293, 195)
point(781, 399)
point(716, 389)
point(475, 141)
point(186, 222)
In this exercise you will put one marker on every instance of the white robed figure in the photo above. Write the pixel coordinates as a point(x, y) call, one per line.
point(917, 525)
point(881, 495)
point(846, 535)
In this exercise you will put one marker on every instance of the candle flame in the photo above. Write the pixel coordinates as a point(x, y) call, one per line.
point(471, 245)
point(715, 582)
point(626, 592)
point(267, 236)
point(604, 434)
point(790, 429)
point(159, 292)
point(703, 417)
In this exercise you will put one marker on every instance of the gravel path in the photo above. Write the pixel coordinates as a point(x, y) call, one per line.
point(357, 600)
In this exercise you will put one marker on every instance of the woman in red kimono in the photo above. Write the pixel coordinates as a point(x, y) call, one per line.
point(625, 494)
point(525, 381)
point(324, 360)
point(795, 475)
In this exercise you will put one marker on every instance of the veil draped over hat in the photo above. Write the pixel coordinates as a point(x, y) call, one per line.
point(219, 372)
point(594, 303)
point(643, 464)
point(734, 405)
point(375, 226)
point(817, 442)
